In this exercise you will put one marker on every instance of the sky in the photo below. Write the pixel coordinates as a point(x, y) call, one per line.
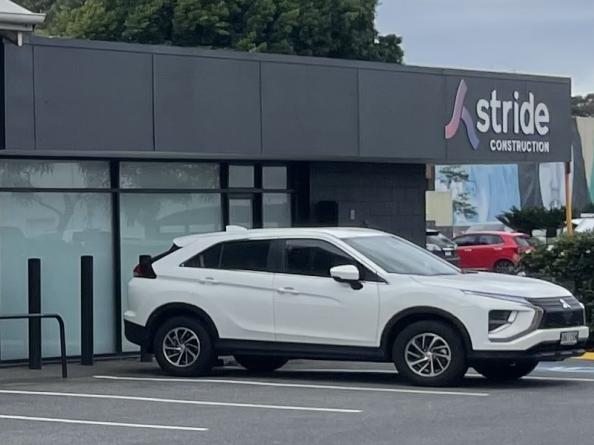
point(549, 37)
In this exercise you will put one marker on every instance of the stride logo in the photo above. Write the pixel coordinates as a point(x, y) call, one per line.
point(502, 117)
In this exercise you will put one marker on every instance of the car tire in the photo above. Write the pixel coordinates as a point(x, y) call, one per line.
point(260, 363)
point(504, 370)
point(504, 266)
point(183, 347)
point(430, 353)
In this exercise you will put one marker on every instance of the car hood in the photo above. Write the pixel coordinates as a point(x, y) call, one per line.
point(496, 284)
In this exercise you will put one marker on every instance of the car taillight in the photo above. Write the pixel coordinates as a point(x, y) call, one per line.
point(144, 269)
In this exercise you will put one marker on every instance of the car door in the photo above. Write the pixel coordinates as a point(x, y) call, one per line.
point(467, 252)
point(311, 307)
point(489, 250)
point(234, 286)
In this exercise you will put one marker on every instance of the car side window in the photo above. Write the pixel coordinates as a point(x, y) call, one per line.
point(466, 240)
point(207, 259)
point(314, 257)
point(234, 255)
point(487, 240)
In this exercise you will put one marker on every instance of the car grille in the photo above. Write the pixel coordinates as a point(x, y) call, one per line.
point(556, 315)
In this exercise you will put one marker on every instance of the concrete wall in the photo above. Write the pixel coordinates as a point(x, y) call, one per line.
point(389, 197)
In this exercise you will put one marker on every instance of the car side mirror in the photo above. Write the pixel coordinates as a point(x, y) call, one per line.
point(347, 274)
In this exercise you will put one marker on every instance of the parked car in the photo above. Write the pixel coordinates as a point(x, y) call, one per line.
point(492, 251)
point(439, 244)
point(271, 295)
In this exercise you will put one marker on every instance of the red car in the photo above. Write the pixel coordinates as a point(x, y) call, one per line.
point(494, 251)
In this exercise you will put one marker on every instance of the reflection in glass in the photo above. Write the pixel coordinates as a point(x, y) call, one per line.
point(58, 228)
point(169, 175)
point(274, 177)
point(34, 173)
point(241, 212)
point(150, 222)
point(276, 210)
point(241, 176)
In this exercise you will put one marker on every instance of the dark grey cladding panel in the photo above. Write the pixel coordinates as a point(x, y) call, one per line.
point(93, 100)
point(207, 105)
point(555, 95)
point(400, 115)
point(19, 98)
point(309, 110)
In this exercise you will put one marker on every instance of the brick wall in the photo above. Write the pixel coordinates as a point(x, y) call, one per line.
point(388, 197)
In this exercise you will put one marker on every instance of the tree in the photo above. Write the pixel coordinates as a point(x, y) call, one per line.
point(583, 105)
point(527, 219)
point(325, 28)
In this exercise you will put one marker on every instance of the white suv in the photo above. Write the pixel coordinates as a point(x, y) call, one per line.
point(271, 295)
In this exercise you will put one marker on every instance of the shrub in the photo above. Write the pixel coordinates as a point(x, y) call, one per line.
point(569, 262)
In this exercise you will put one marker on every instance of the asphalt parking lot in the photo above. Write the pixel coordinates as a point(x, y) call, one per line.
point(127, 402)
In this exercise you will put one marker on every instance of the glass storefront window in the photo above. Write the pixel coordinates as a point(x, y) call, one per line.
point(35, 173)
point(241, 212)
point(58, 228)
point(276, 210)
point(150, 222)
point(241, 176)
point(169, 175)
point(274, 177)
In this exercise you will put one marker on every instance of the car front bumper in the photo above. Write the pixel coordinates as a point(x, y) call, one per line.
point(543, 352)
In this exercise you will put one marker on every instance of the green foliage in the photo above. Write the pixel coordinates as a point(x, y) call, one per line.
point(583, 105)
point(569, 262)
point(527, 219)
point(326, 28)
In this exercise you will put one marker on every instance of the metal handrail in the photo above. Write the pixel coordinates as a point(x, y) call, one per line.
point(62, 333)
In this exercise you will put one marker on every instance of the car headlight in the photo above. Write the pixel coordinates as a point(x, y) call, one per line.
point(512, 298)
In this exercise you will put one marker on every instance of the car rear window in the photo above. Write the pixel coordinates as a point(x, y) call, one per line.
point(522, 241)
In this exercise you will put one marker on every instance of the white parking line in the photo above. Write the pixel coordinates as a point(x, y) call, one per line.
point(178, 401)
point(94, 422)
point(297, 385)
point(386, 371)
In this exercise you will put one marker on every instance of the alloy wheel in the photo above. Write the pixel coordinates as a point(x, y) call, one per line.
point(427, 355)
point(181, 347)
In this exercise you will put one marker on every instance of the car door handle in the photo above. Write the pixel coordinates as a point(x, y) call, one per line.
point(467, 250)
point(287, 290)
point(208, 280)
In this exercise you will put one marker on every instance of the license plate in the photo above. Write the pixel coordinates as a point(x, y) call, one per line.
point(569, 338)
point(448, 253)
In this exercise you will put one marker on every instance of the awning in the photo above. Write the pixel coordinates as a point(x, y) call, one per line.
point(15, 21)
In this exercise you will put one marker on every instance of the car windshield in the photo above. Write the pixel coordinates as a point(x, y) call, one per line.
point(396, 255)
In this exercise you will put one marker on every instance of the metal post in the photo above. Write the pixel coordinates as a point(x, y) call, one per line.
point(86, 310)
point(568, 200)
point(34, 277)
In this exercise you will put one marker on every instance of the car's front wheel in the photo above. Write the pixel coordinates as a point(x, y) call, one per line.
point(183, 347)
point(260, 363)
point(505, 370)
point(430, 353)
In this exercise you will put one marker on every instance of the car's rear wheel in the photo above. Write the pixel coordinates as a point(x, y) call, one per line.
point(183, 347)
point(260, 363)
point(505, 370)
point(430, 353)
point(504, 266)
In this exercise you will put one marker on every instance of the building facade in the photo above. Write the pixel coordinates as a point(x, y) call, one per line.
point(113, 150)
